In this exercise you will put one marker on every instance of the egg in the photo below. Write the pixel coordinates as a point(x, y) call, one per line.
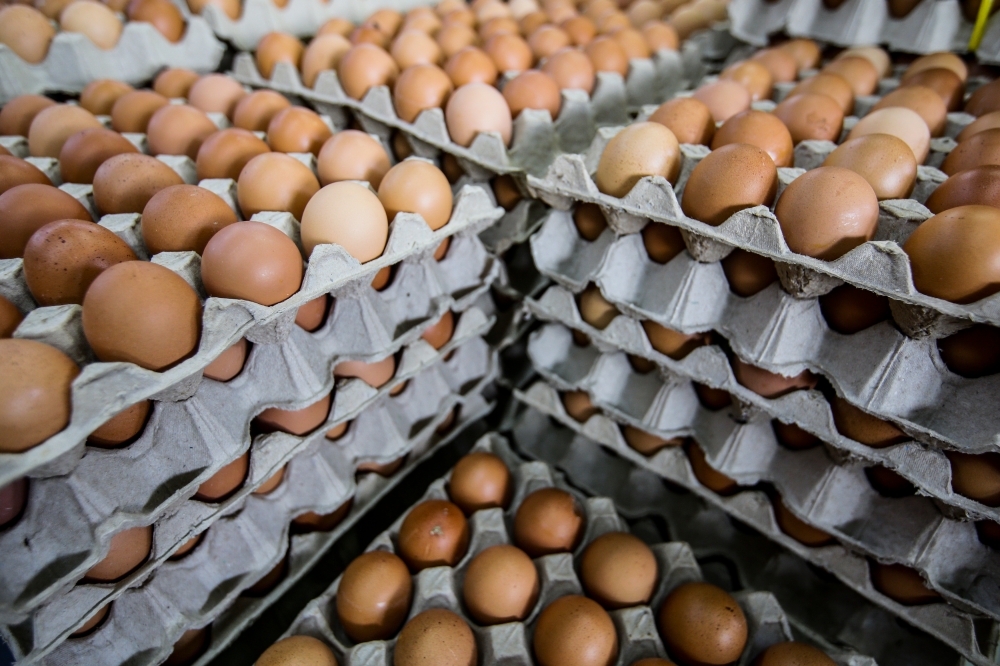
point(607, 55)
point(323, 53)
point(423, 19)
point(901, 122)
point(26, 31)
point(62, 258)
point(501, 585)
point(252, 261)
point(902, 584)
point(255, 111)
point(133, 111)
point(121, 428)
point(702, 624)
point(183, 218)
point(924, 101)
point(17, 115)
point(10, 318)
point(653, 661)
point(375, 374)
point(53, 125)
point(125, 183)
point(849, 309)
point(14, 171)
point(533, 90)
point(216, 93)
point(100, 96)
point(752, 75)
point(793, 437)
point(791, 653)
point(536, 19)
point(935, 60)
point(480, 480)
point(94, 20)
point(944, 82)
point(862, 427)
point(640, 150)
point(414, 186)
point(275, 47)
point(509, 52)
point(873, 54)
point(618, 570)
point(574, 630)
point(385, 20)
point(297, 651)
point(189, 646)
point(672, 343)
point(888, 483)
point(276, 182)
point(310, 521)
point(689, 119)
point(595, 309)
point(297, 422)
point(373, 596)
point(178, 129)
point(225, 482)
point(352, 155)
point(475, 108)
point(570, 69)
point(439, 333)
point(707, 476)
point(297, 130)
point(35, 384)
point(764, 130)
point(223, 154)
point(548, 521)
point(980, 185)
point(128, 549)
point(589, 220)
point(660, 36)
point(420, 87)
point(26, 208)
point(471, 65)
point(162, 14)
point(229, 363)
point(988, 121)
point(415, 47)
point(546, 40)
point(142, 313)
point(364, 67)
point(885, 161)
point(646, 443)
point(770, 384)
point(724, 99)
point(349, 215)
point(979, 149)
point(174, 83)
point(984, 100)
point(454, 37)
point(859, 73)
point(779, 63)
point(805, 52)
point(811, 116)
point(727, 180)
point(433, 534)
point(976, 476)
point(748, 273)
point(579, 406)
point(712, 399)
point(662, 242)
point(832, 85)
point(798, 529)
point(436, 636)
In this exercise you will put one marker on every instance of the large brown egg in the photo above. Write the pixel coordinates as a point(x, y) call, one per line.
point(225, 482)
point(952, 254)
point(352, 155)
point(760, 129)
point(660, 36)
point(297, 130)
point(752, 75)
point(252, 261)
point(863, 427)
point(275, 47)
point(480, 480)
point(414, 186)
point(618, 570)
point(748, 273)
point(178, 129)
point(183, 218)
point(595, 309)
point(295, 421)
point(323, 53)
point(607, 55)
point(216, 93)
point(125, 183)
point(433, 534)
point(859, 72)
point(84, 152)
point(364, 67)
point(475, 108)
point(639, 150)
point(223, 154)
point(792, 653)
point(976, 476)
point(770, 384)
point(689, 119)
point(546, 40)
point(17, 115)
point(10, 318)
point(934, 60)
point(832, 85)
point(510, 53)
point(979, 149)
point(797, 528)
point(438, 334)
point(161, 14)
point(729, 179)
point(255, 111)
point(501, 585)
point(901, 122)
point(14, 171)
point(811, 116)
point(421, 87)
point(533, 90)
point(579, 406)
point(570, 68)
point(672, 343)
point(984, 100)
point(100, 96)
point(944, 82)
point(127, 550)
point(702, 624)
point(989, 121)
point(175, 83)
point(849, 309)
point(133, 110)
point(471, 65)
point(924, 101)
point(95, 20)
point(575, 631)
point(972, 352)
point(454, 37)
point(902, 584)
point(229, 363)
point(53, 125)
point(415, 47)
point(122, 427)
point(374, 596)
point(26, 31)
point(724, 99)
point(885, 161)
point(275, 182)
point(779, 62)
point(142, 313)
point(26, 208)
point(827, 212)
point(548, 521)
point(35, 402)
point(438, 637)
point(978, 186)
point(297, 651)
point(62, 258)
point(349, 215)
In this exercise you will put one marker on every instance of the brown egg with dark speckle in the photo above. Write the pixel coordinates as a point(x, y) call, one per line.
point(433, 534)
point(500, 586)
point(24, 209)
point(548, 521)
point(436, 636)
point(84, 153)
point(125, 183)
point(35, 384)
point(575, 631)
point(374, 596)
point(702, 624)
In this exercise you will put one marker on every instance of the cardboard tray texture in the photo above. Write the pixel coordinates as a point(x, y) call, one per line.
point(763, 555)
point(830, 494)
point(440, 587)
point(251, 538)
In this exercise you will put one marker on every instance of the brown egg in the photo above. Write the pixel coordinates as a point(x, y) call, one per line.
point(510, 53)
point(702, 624)
point(607, 55)
point(729, 179)
point(660, 36)
point(764, 130)
point(35, 382)
point(311, 315)
point(225, 482)
point(595, 309)
point(351, 216)
point(580, 29)
point(127, 550)
point(662, 242)
point(832, 85)
point(575, 630)
point(125, 183)
point(84, 152)
point(229, 363)
point(386, 21)
point(13, 497)
point(570, 68)
point(501, 585)
point(255, 111)
point(175, 83)
point(770, 384)
point(439, 333)
point(142, 313)
point(901, 122)
point(924, 101)
point(352, 155)
point(951, 254)
point(375, 374)
point(849, 309)
point(224, 153)
point(976, 476)
point(548, 521)
point(436, 636)
point(944, 82)
point(752, 75)
point(589, 220)
point(707, 476)
point(26, 208)
point(100, 96)
point(816, 224)
point(252, 261)
point(888, 483)
point(216, 93)
point(10, 318)
point(297, 651)
point(423, 19)
point(863, 427)
point(633, 43)
point(791, 653)
point(979, 149)
point(902, 584)
point(811, 116)
point(415, 47)
point(972, 352)
point(178, 129)
point(368, 35)
point(454, 37)
point(534, 20)
point(275, 47)
point(988, 121)
point(618, 571)
point(779, 62)
point(724, 99)
point(94, 20)
point(297, 130)
point(295, 421)
point(859, 73)
point(548, 39)
point(26, 31)
point(364, 67)
point(433, 534)
point(793, 437)
point(934, 60)
point(640, 150)
point(14, 171)
point(710, 398)
point(645, 443)
point(984, 100)
point(374, 596)
point(579, 406)
point(798, 529)
point(689, 119)
point(885, 161)
point(475, 108)
point(162, 14)
point(189, 647)
point(653, 661)
point(53, 125)
point(672, 343)
point(748, 273)
point(323, 53)
point(873, 54)
point(133, 110)
point(122, 427)
point(275, 182)
point(504, 188)
point(93, 622)
point(62, 258)
point(418, 88)
point(471, 65)
point(480, 480)
point(310, 521)
point(611, 22)
point(183, 218)
point(17, 115)
point(533, 90)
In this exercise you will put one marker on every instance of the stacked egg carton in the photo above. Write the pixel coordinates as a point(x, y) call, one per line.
point(509, 643)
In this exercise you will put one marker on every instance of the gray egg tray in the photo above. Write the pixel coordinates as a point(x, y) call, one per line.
point(73, 60)
point(440, 587)
point(250, 536)
point(605, 464)
point(225, 321)
point(830, 493)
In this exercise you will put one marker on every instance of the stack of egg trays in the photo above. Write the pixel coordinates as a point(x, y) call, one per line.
point(756, 562)
point(820, 487)
point(73, 60)
point(251, 537)
point(440, 587)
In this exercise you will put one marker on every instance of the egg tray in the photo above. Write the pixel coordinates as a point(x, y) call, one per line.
point(825, 490)
point(440, 587)
point(252, 537)
point(598, 462)
point(73, 60)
